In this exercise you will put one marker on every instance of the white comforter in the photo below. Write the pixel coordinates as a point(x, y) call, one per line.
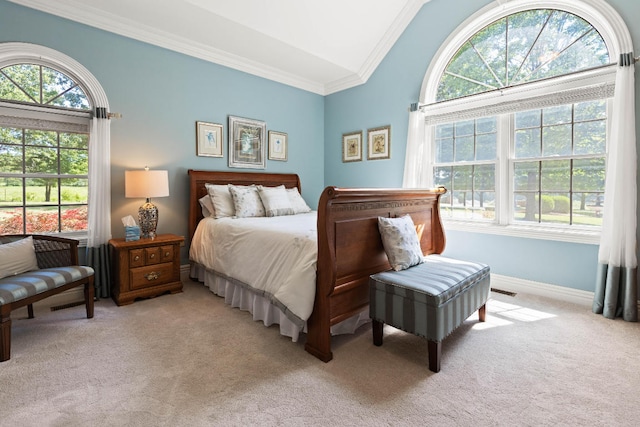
point(275, 256)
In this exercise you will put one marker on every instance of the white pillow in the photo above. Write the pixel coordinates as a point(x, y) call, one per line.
point(246, 201)
point(275, 200)
point(297, 202)
point(17, 257)
point(207, 206)
point(221, 200)
point(400, 241)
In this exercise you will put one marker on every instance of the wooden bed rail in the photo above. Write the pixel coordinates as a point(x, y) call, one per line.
point(350, 250)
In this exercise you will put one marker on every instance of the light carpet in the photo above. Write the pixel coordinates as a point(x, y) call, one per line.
point(190, 360)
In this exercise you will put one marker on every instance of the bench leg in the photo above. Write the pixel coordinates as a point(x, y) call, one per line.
point(376, 327)
point(5, 337)
point(30, 311)
point(435, 350)
point(482, 312)
point(88, 297)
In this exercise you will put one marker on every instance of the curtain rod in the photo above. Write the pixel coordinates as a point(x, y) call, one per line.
point(626, 59)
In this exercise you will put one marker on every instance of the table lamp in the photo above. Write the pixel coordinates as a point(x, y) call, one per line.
point(147, 183)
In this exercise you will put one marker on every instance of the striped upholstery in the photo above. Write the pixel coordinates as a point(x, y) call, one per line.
point(430, 299)
point(21, 286)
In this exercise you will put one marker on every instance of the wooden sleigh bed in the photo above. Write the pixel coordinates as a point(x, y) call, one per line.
point(349, 244)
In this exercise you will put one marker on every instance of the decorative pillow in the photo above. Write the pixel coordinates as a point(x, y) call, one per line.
point(246, 201)
point(275, 200)
point(221, 200)
point(17, 257)
point(297, 202)
point(400, 241)
point(207, 206)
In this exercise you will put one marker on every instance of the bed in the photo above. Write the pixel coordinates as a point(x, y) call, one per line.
point(349, 248)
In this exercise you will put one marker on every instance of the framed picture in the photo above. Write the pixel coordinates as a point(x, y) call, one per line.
point(379, 141)
point(352, 147)
point(208, 139)
point(246, 143)
point(278, 145)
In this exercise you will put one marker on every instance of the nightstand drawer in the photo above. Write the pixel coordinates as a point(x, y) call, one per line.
point(151, 275)
point(136, 258)
point(166, 254)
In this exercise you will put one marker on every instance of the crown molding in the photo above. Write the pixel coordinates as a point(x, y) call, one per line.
point(128, 28)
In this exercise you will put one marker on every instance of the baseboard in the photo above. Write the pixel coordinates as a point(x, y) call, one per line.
point(185, 270)
point(514, 284)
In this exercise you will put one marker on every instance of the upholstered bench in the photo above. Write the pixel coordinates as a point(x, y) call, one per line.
point(430, 300)
point(52, 268)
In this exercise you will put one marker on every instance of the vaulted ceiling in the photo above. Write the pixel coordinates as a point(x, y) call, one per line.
point(322, 46)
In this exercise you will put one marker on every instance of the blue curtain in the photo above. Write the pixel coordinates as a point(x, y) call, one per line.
point(99, 259)
point(616, 292)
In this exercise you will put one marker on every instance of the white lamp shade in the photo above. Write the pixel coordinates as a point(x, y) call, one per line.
point(146, 183)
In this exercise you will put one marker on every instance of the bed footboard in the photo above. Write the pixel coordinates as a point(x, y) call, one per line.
point(350, 250)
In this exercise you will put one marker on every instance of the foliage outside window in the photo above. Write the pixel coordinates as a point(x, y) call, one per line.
point(37, 84)
point(43, 170)
point(520, 48)
point(553, 157)
point(466, 164)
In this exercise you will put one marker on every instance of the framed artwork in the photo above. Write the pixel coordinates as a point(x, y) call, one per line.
point(278, 145)
point(246, 143)
point(379, 141)
point(208, 139)
point(352, 147)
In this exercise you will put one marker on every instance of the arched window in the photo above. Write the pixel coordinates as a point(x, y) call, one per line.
point(54, 146)
point(517, 104)
point(519, 48)
point(44, 162)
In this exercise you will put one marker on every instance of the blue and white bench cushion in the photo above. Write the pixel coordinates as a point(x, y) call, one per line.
point(429, 299)
point(21, 286)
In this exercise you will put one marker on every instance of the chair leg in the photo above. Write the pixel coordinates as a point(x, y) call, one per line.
point(435, 351)
point(88, 297)
point(482, 312)
point(5, 337)
point(30, 311)
point(376, 327)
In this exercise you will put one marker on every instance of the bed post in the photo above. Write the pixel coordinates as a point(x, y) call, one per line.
point(319, 323)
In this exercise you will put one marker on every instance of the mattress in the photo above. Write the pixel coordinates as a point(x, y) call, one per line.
point(273, 257)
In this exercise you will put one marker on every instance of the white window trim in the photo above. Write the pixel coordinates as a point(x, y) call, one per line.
point(617, 38)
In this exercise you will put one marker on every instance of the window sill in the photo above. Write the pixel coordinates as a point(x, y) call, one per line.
point(80, 236)
point(544, 233)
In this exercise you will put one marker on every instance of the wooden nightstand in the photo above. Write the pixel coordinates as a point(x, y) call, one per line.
point(145, 268)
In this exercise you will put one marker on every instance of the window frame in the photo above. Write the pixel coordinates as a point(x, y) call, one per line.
point(617, 39)
point(12, 53)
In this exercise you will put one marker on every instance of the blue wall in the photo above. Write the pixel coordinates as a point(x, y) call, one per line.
point(384, 100)
point(161, 95)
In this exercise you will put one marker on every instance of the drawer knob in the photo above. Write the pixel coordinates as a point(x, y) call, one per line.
point(166, 254)
point(152, 276)
point(136, 258)
point(152, 256)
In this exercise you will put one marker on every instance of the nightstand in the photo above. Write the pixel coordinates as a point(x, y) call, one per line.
point(145, 268)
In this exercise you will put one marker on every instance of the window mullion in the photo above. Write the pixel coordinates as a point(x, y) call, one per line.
point(504, 193)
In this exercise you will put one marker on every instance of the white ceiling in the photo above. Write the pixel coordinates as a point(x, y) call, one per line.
point(322, 46)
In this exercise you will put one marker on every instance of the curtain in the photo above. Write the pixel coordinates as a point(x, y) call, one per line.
point(616, 291)
point(419, 141)
point(100, 202)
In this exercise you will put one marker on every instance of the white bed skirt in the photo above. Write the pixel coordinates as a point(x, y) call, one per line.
point(261, 308)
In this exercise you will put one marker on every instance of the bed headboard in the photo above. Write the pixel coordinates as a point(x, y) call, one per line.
point(198, 178)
